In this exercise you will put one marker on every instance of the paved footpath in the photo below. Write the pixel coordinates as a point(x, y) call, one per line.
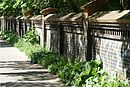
point(16, 70)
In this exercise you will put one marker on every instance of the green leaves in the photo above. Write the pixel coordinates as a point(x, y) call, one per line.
point(15, 7)
point(34, 6)
point(79, 74)
point(10, 36)
point(6, 7)
point(17, 4)
point(31, 36)
point(105, 80)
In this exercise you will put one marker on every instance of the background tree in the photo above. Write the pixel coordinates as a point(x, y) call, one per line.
point(6, 7)
point(124, 4)
point(119, 4)
point(19, 7)
point(66, 6)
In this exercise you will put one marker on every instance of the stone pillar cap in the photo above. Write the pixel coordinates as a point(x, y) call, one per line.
point(48, 10)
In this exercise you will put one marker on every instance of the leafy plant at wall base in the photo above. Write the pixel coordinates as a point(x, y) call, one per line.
point(31, 50)
point(70, 72)
point(78, 74)
point(103, 80)
point(58, 66)
point(10, 36)
point(54, 68)
point(90, 69)
point(51, 58)
point(31, 36)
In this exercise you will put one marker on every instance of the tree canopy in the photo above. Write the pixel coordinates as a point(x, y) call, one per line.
point(19, 7)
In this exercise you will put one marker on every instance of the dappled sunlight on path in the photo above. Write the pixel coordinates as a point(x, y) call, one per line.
point(16, 70)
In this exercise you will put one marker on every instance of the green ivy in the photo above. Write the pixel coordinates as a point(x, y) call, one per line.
point(102, 79)
point(76, 74)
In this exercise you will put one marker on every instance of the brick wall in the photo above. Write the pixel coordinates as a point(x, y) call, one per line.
point(71, 39)
point(115, 56)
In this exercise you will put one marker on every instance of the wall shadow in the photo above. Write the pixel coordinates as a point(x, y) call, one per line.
point(24, 74)
point(4, 44)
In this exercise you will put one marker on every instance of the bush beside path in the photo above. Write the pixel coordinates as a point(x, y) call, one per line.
point(16, 70)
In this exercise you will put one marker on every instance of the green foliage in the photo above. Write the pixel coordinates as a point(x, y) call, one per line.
point(55, 68)
point(31, 36)
point(78, 74)
point(48, 59)
point(58, 64)
point(10, 36)
point(103, 80)
point(17, 7)
point(6, 8)
point(66, 6)
point(27, 47)
point(28, 43)
point(89, 74)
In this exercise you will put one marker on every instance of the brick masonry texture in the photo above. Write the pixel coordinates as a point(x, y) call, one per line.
point(115, 56)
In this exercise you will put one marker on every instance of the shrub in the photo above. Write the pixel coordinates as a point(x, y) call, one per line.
point(10, 36)
point(78, 74)
point(102, 79)
point(50, 58)
point(31, 36)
